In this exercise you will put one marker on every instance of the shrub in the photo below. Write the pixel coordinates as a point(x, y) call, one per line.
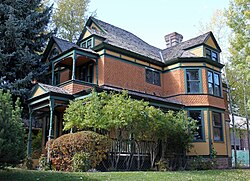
point(81, 162)
point(43, 165)
point(65, 147)
point(11, 131)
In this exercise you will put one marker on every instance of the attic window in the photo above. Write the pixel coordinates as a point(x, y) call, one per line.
point(212, 54)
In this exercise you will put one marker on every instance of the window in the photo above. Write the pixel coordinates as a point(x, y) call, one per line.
point(89, 44)
point(212, 55)
point(86, 73)
point(153, 77)
point(217, 126)
point(193, 80)
point(83, 44)
point(196, 115)
point(214, 83)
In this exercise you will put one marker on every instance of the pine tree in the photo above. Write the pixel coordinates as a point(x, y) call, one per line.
point(11, 131)
point(23, 34)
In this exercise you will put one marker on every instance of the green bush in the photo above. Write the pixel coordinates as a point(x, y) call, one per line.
point(200, 163)
point(11, 131)
point(81, 162)
point(65, 147)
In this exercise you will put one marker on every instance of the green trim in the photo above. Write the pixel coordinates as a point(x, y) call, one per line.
point(59, 58)
point(51, 119)
point(74, 65)
point(53, 73)
point(40, 107)
point(200, 79)
point(29, 143)
point(39, 100)
point(220, 81)
point(164, 106)
point(209, 133)
point(84, 53)
point(83, 97)
point(97, 71)
point(222, 128)
point(202, 123)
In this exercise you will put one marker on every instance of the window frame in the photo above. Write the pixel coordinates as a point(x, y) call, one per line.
point(200, 125)
point(200, 80)
point(220, 127)
point(89, 67)
point(153, 76)
point(211, 54)
point(214, 84)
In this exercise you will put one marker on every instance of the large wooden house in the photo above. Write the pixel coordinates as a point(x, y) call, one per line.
point(185, 75)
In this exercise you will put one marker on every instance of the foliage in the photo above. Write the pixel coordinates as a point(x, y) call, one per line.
point(201, 163)
point(11, 130)
point(238, 70)
point(23, 36)
point(217, 25)
point(37, 145)
point(43, 164)
point(81, 162)
point(65, 147)
point(131, 121)
point(28, 163)
point(69, 17)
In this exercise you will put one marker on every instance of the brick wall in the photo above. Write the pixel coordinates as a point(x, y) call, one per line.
point(128, 76)
point(73, 88)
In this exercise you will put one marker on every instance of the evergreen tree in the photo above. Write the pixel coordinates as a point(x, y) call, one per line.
point(11, 131)
point(22, 39)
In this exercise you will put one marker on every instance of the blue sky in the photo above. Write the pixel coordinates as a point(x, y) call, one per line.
point(152, 19)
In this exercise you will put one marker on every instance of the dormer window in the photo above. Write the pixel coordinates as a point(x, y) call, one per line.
point(212, 55)
point(87, 44)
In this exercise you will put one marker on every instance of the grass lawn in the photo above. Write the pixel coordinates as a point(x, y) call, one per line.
point(25, 175)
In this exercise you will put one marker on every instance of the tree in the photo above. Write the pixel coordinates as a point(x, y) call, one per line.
point(218, 25)
point(131, 122)
point(69, 17)
point(23, 36)
point(238, 16)
point(11, 131)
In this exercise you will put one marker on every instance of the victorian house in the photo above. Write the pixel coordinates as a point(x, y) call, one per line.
point(185, 75)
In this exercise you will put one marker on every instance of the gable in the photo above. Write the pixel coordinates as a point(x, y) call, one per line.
point(86, 34)
point(94, 27)
point(53, 51)
point(198, 51)
point(210, 42)
point(37, 92)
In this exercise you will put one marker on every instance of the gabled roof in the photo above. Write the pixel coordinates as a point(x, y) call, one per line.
point(64, 44)
point(181, 49)
point(50, 88)
point(123, 39)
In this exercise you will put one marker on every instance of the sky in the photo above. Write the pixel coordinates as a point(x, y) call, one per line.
point(151, 20)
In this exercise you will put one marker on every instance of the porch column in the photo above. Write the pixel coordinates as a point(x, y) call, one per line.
point(50, 127)
point(74, 65)
point(53, 73)
point(29, 144)
point(97, 71)
point(51, 106)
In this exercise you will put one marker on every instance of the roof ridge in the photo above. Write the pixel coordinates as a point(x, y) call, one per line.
point(126, 32)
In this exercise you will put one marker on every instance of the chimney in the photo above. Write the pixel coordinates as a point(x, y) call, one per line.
point(173, 39)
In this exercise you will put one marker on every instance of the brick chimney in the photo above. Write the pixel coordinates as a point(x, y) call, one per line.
point(173, 39)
